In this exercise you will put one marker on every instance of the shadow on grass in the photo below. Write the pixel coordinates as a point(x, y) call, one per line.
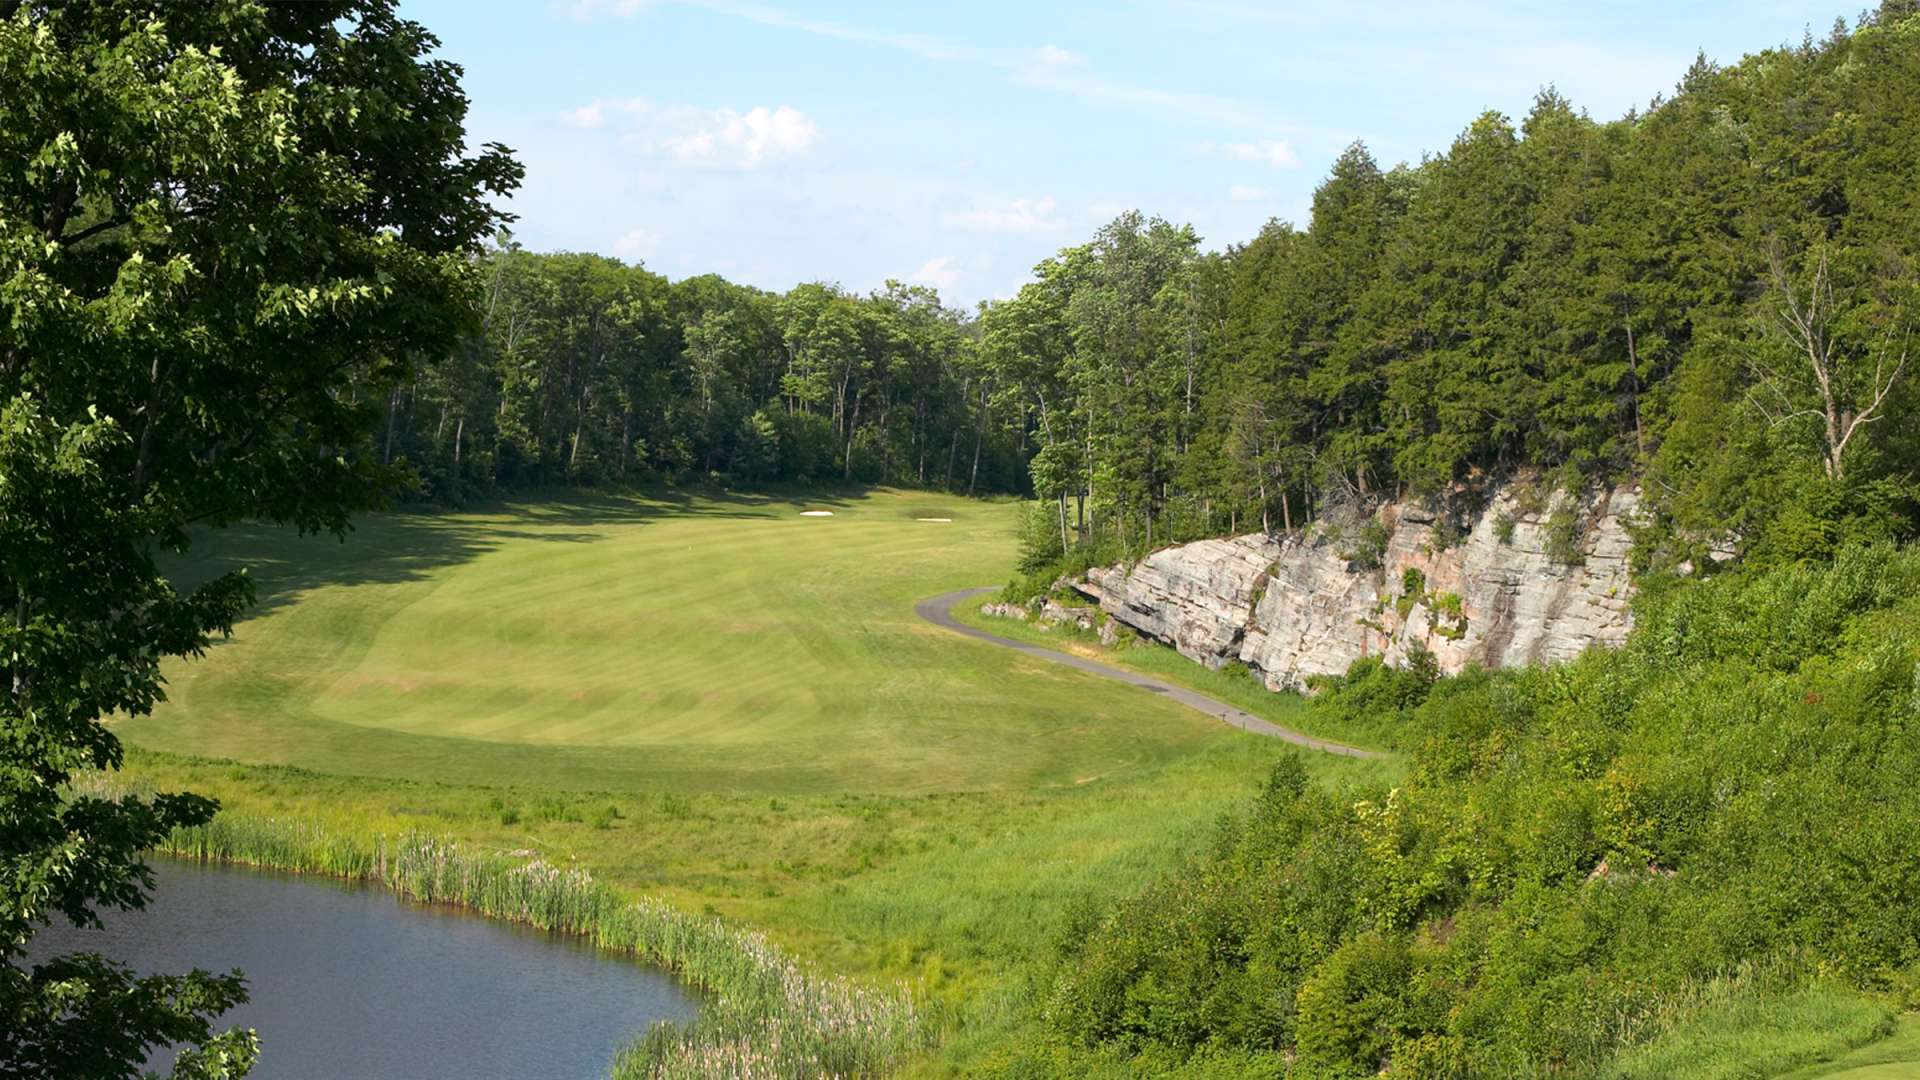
point(413, 543)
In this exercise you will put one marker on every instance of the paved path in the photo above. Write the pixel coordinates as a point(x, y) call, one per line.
point(939, 611)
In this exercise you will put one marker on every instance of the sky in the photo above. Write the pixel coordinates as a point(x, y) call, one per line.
point(956, 145)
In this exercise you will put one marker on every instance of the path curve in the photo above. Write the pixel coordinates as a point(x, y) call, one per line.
point(938, 610)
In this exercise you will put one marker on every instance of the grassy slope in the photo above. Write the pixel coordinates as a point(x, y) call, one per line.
point(1895, 1058)
point(709, 660)
point(1162, 662)
point(1845, 1036)
point(641, 645)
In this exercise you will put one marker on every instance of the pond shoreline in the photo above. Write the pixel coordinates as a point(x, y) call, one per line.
point(760, 1008)
point(345, 978)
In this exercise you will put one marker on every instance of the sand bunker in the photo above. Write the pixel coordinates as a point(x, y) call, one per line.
point(816, 513)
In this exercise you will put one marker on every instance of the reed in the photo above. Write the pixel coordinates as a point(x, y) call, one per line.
point(763, 1015)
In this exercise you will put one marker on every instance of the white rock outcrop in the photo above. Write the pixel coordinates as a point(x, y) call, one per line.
point(1488, 589)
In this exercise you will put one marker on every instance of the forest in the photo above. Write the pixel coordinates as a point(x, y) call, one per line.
point(254, 277)
point(1715, 294)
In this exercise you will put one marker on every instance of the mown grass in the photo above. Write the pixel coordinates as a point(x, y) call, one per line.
point(686, 644)
point(1233, 685)
point(1896, 1057)
point(722, 712)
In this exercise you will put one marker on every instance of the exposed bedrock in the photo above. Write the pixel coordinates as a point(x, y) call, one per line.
point(1516, 581)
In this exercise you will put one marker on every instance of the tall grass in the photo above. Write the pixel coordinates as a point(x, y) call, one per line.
point(764, 1015)
point(1757, 1020)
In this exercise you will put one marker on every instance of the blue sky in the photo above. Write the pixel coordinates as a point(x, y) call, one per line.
point(958, 144)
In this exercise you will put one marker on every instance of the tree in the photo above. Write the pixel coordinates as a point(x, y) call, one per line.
point(234, 230)
point(1839, 373)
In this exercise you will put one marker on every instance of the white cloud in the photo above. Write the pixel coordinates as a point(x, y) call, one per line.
point(745, 139)
point(638, 243)
point(1019, 216)
point(619, 9)
point(939, 273)
point(1241, 193)
point(1266, 152)
point(1046, 67)
point(594, 114)
point(696, 136)
point(1055, 56)
point(586, 116)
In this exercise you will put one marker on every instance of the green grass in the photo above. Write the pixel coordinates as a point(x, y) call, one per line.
point(1896, 1057)
point(694, 644)
point(762, 1014)
point(945, 898)
point(714, 703)
point(1235, 687)
point(1739, 1030)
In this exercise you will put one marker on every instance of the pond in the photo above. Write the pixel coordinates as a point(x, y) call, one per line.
point(350, 981)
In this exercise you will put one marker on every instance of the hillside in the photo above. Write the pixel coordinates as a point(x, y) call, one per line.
point(1690, 856)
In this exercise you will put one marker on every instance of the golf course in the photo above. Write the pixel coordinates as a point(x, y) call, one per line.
point(765, 711)
point(727, 702)
point(730, 644)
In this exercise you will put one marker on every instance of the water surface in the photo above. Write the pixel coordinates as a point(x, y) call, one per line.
point(352, 981)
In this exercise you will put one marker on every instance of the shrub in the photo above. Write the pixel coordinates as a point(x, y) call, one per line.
point(1563, 536)
point(1576, 853)
point(1364, 546)
point(1350, 1008)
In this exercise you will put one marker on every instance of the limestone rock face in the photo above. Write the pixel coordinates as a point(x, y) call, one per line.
point(1492, 587)
point(1197, 597)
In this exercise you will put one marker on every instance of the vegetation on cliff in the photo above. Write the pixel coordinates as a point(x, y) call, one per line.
point(1577, 858)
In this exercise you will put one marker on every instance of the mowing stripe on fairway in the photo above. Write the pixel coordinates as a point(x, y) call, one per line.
point(647, 642)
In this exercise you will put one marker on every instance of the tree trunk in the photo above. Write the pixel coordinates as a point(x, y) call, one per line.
point(393, 412)
point(979, 436)
point(852, 425)
point(1633, 388)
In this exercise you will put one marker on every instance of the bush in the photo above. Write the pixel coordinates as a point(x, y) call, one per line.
point(1040, 542)
point(1563, 537)
point(1349, 1010)
point(1575, 854)
point(1363, 546)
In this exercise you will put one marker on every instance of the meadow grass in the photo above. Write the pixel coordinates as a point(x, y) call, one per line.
point(1743, 1026)
point(899, 926)
point(764, 1014)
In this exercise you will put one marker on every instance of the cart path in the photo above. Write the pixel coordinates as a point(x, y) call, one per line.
point(938, 610)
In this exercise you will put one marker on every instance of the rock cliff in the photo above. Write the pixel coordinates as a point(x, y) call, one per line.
point(1516, 581)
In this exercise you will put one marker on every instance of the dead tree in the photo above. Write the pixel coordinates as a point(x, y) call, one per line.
point(1846, 399)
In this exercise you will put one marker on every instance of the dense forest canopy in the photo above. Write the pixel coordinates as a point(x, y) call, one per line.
point(1579, 298)
point(588, 370)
